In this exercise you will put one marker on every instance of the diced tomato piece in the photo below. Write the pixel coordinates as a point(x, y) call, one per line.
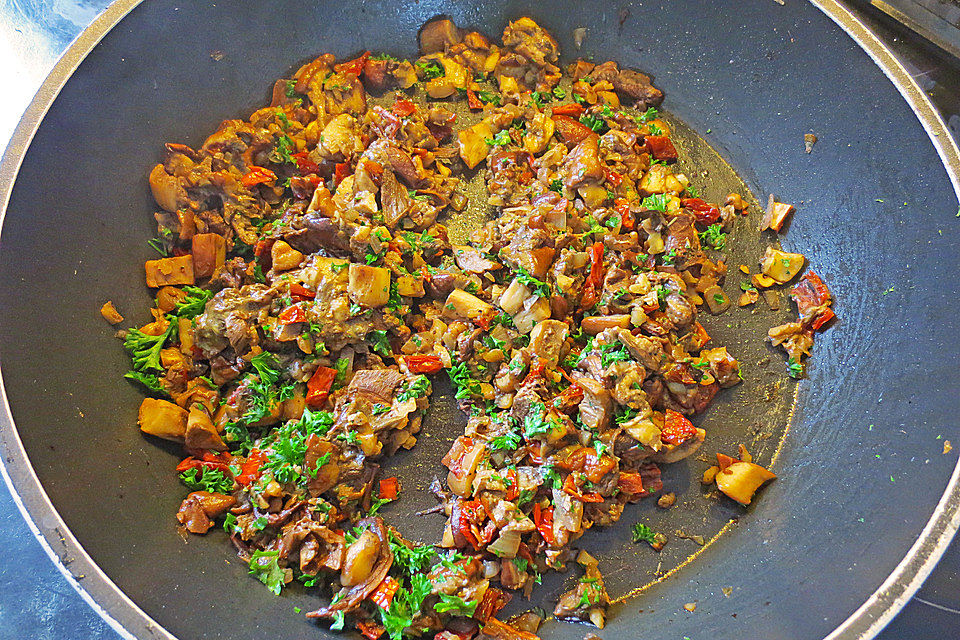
point(370, 629)
point(304, 163)
point(292, 315)
point(382, 596)
point(630, 483)
point(492, 601)
point(571, 130)
point(812, 298)
point(354, 66)
point(423, 363)
point(572, 110)
point(595, 279)
point(676, 428)
point(473, 101)
point(340, 171)
point(389, 488)
point(403, 108)
point(543, 518)
point(318, 388)
point(662, 148)
point(257, 175)
point(533, 452)
point(374, 169)
point(570, 487)
point(615, 179)
point(513, 484)
point(188, 463)
point(702, 336)
point(704, 212)
point(299, 291)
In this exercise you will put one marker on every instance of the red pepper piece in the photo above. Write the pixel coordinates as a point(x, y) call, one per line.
point(513, 481)
point(257, 175)
point(292, 315)
point(676, 428)
point(383, 594)
point(572, 110)
point(571, 130)
point(370, 629)
point(250, 470)
point(613, 178)
point(354, 66)
point(661, 148)
point(389, 489)
point(340, 171)
point(630, 483)
point(423, 363)
point(299, 291)
point(403, 108)
point(318, 388)
point(622, 207)
point(304, 163)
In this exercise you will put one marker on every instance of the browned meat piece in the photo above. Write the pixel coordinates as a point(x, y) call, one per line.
point(199, 507)
point(795, 338)
point(582, 165)
point(405, 169)
point(317, 547)
point(327, 474)
point(532, 41)
point(680, 311)
point(314, 232)
point(647, 352)
point(629, 82)
point(230, 318)
point(441, 284)
point(595, 409)
point(683, 239)
point(379, 384)
point(394, 199)
point(469, 259)
point(437, 35)
point(530, 249)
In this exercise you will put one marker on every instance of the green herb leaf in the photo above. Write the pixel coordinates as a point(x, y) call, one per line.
point(263, 565)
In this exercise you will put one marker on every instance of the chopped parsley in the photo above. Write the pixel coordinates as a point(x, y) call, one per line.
point(649, 114)
point(194, 303)
point(416, 389)
point(456, 604)
point(263, 564)
point(556, 185)
point(794, 367)
point(594, 123)
point(539, 287)
point(431, 69)
point(463, 381)
point(212, 480)
point(501, 139)
point(642, 533)
point(656, 202)
point(380, 342)
point(714, 237)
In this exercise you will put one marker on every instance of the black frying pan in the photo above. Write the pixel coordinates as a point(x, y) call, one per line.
point(865, 502)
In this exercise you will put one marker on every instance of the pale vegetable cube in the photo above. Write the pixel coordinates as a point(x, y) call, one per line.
point(466, 306)
point(780, 265)
point(201, 432)
point(162, 419)
point(209, 252)
point(369, 286)
point(741, 480)
point(473, 143)
point(169, 271)
point(284, 256)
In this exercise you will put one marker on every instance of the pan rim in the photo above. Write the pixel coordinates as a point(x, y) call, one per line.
point(126, 618)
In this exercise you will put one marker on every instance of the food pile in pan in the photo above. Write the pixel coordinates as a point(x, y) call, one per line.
point(309, 296)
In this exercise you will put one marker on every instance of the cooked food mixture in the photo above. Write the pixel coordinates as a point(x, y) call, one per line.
point(308, 295)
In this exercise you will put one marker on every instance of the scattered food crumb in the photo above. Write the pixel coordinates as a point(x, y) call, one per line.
point(578, 35)
point(217, 55)
point(667, 500)
point(686, 536)
point(110, 313)
point(727, 591)
point(690, 606)
point(710, 475)
point(808, 141)
point(623, 15)
point(947, 447)
point(745, 269)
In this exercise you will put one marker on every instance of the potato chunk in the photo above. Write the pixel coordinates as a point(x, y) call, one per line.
point(473, 143)
point(369, 286)
point(465, 305)
point(162, 419)
point(201, 432)
point(169, 271)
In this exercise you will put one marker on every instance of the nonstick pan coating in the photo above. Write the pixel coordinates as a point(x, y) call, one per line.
point(861, 469)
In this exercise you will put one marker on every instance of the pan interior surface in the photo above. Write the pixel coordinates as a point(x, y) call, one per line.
point(860, 472)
